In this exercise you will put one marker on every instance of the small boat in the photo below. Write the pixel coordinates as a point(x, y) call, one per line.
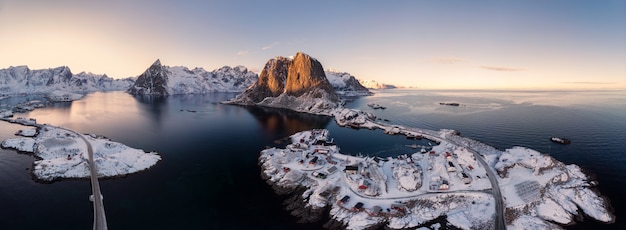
point(449, 103)
point(413, 146)
point(376, 106)
point(560, 140)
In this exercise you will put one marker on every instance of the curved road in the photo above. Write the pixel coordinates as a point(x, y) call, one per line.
point(500, 222)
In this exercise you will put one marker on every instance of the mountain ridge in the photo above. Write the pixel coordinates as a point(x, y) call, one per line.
point(164, 80)
point(23, 80)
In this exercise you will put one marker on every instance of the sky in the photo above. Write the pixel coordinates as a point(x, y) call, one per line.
point(425, 44)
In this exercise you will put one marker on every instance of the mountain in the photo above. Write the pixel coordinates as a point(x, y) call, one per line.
point(21, 79)
point(346, 84)
point(164, 80)
point(299, 84)
point(371, 84)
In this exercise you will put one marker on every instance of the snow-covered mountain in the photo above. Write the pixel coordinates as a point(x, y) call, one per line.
point(298, 84)
point(346, 84)
point(21, 79)
point(164, 80)
point(371, 84)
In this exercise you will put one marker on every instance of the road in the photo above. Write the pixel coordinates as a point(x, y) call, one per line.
point(500, 222)
point(99, 218)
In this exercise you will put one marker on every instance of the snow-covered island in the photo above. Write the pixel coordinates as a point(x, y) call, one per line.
point(468, 183)
point(445, 181)
point(63, 154)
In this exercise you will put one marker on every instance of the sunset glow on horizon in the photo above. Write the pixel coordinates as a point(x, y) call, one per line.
point(429, 45)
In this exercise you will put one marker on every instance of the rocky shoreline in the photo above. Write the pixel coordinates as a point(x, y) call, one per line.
point(515, 172)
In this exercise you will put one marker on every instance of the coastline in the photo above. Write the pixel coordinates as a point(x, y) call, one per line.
point(359, 119)
point(53, 158)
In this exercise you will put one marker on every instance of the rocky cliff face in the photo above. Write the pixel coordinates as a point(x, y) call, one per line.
point(298, 84)
point(271, 82)
point(153, 81)
point(21, 79)
point(164, 80)
point(306, 74)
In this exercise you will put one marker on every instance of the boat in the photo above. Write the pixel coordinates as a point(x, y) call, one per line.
point(449, 103)
point(560, 140)
point(376, 106)
point(413, 146)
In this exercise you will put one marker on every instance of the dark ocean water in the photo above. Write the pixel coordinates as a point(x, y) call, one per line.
point(209, 177)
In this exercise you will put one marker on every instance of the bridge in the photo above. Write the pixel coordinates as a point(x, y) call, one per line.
point(99, 217)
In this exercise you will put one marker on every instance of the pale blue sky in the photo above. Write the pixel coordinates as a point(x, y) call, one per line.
point(429, 44)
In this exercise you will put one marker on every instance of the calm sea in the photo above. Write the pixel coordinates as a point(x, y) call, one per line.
point(209, 177)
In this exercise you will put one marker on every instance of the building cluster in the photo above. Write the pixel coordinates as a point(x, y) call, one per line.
point(366, 177)
point(378, 186)
point(453, 168)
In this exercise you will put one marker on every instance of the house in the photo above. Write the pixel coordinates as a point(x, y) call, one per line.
point(357, 207)
point(319, 175)
point(344, 199)
point(376, 210)
point(322, 151)
point(324, 143)
point(313, 161)
point(351, 169)
point(451, 167)
point(444, 185)
point(363, 184)
point(465, 178)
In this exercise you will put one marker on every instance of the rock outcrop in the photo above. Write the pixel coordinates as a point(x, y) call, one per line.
point(164, 80)
point(299, 84)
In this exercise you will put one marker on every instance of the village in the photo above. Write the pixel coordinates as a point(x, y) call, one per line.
point(377, 186)
point(465, 181)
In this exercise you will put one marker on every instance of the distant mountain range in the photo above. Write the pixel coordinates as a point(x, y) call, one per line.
point(164, 80)
point(21, 79)
point(371, 84)
point(158, 79)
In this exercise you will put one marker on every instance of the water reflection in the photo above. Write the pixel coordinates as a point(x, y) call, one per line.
point(286, 122)
point(153, 107)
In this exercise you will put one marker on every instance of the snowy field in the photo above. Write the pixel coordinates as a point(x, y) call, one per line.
point(61, 154)
point(410, 190)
